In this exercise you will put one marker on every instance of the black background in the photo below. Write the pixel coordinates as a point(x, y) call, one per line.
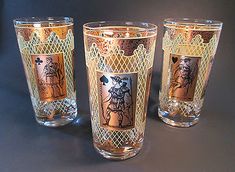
point(26, 146)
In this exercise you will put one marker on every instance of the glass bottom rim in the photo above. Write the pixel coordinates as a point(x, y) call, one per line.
point(56, 123)
point(177, 124)
point(118, 156)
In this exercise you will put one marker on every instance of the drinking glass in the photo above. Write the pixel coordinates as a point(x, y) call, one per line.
point(46, 46)
point(119, 60)
point(189, 47)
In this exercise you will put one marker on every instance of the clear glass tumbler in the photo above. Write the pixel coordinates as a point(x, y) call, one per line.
point(189, 47)
point(119, 60)
point(46, 46)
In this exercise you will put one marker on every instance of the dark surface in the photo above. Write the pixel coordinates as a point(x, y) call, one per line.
point(26, 146)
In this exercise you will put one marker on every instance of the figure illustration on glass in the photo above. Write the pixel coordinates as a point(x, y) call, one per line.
point(184, 73)
point(50, 76)
point(116, 101)
point(53, 76)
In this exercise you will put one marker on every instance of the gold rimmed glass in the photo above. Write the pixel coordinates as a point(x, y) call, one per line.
point(189, 47)
point(46, 46)
point(119, 60)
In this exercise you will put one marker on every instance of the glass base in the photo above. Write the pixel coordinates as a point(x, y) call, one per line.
point(119, 155)
point(177, 120)
point(56, 122)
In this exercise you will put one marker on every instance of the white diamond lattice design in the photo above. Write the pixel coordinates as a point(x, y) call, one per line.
point(52, 45)
point(195, 48)
point(116, 62)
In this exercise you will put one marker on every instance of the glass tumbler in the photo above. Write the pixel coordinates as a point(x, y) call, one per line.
point(119, 60)
point(46, 46)
point(189, 47)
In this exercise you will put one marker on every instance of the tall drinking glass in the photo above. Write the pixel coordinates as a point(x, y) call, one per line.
point(46, 46)
point(189, 47)
point(119, 60)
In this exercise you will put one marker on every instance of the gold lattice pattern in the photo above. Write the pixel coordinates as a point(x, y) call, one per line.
point(52, 45)
point(195, 48)
point(116, 62)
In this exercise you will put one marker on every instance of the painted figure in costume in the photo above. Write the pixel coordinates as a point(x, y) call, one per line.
point(184, 75)
point(119, 100)
point(53, 77)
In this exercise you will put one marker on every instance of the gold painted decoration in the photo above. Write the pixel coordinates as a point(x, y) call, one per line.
point(107, 40)
point(51, 59)
point(186, 67)
point(116, 132)
point(147, 92)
